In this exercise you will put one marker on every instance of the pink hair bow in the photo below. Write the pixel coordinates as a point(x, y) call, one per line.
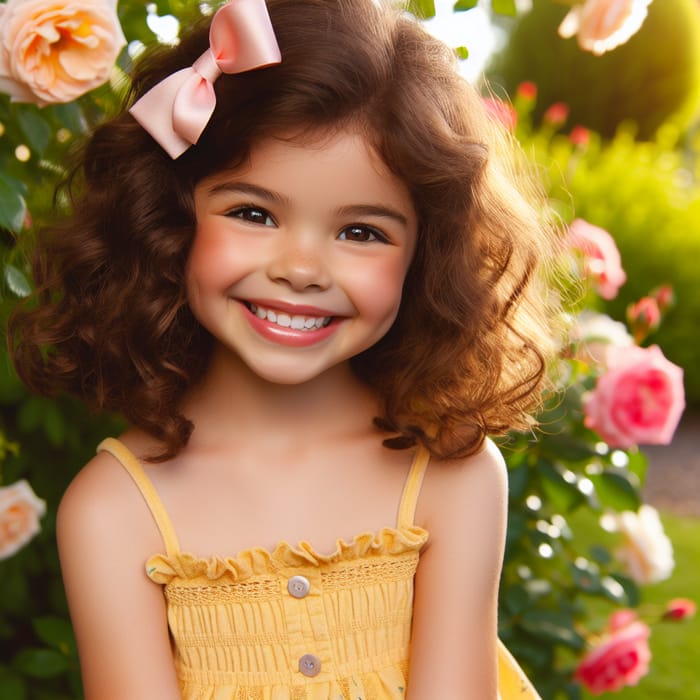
point(176, 110)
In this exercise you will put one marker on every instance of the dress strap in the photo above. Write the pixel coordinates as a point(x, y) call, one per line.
point(411, 489)
point(135, 469)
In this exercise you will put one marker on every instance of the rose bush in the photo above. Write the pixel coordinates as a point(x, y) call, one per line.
point(56, 51)
point(602, 25)
point(20, 512)
point(638, 400)
point(621, 657)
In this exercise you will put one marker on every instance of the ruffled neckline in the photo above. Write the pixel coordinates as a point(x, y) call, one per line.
point(164, 568)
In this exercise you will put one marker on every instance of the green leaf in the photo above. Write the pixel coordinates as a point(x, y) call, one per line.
point(424, 9)
point(35, 129)
point(462, 5)
point(504, 7)
point(462, 53)
point(564, 494)
point(16, 281)
point(11, 686)
point(41, 663)
point(13, 208)
point(552, 626)
point(568, 448)
point(57, 633)
point(615, 490)
point(518, 479)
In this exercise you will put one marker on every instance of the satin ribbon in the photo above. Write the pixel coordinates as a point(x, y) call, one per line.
point(176, 111)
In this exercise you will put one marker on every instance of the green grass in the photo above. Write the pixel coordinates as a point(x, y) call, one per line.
point(675, 669)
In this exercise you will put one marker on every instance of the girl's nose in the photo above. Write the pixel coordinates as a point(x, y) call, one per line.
point(300, 263)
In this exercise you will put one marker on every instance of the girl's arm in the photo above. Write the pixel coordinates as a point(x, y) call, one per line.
point(105, 533)
point(453, 650)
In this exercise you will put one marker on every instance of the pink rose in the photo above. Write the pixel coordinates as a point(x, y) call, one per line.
point(501, 111)
point(621, 658)
point(680, 609)
point(602, 25)
point(602, 258)
point(20, 511)
point(639, 399)
point(56, 50)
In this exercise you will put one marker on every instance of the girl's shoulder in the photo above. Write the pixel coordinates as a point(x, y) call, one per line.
point(458, 493)
point(103, 508)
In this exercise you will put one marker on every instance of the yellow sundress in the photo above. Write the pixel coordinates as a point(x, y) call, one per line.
point(293, 624)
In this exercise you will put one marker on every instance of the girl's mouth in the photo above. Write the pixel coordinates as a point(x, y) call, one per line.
point(282, 319)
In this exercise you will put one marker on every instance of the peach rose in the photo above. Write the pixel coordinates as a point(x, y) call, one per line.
point(639, 399)
point(601, 256)
point(602, 25)
point(621, 658)
point(56, 50)
point(20, 511)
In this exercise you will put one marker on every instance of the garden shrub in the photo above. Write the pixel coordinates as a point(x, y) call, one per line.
point(649, 80)
point(648, 197)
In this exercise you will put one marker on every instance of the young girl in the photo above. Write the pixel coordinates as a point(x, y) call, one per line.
point(303, 273)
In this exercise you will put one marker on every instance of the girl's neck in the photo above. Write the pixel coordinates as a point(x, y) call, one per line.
point(229, 395)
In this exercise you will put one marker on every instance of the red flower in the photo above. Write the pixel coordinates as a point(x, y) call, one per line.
point(665, 297)
point(644, 317)
point(679, 609)
point(556, 114)
point(580, 136)
point(527, 90)
point(621, 658)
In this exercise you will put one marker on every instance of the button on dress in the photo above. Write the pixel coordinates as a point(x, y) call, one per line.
point(293, 624)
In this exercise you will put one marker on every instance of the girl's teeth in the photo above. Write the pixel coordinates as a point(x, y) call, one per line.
point(298, 323)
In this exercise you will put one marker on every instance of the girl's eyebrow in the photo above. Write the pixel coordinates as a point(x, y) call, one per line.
point(351, 210)
point(373, 210)
point(249, 188)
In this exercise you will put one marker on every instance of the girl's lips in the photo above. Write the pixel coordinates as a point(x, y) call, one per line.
point(291, 335)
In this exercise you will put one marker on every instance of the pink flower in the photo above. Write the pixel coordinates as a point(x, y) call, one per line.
point(621, 658)
point(602, 258)
point(556, 114)
point(20, 511)
point(621, 618)
point(56, 51)
point(639, 399)
point(602, 25)
point(527, 90)
point(644, 317)
point(665, 297)
point(580, 136)
point(502, 112)
point(680, 609)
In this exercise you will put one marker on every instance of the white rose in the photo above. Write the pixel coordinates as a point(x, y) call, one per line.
point(646, 552)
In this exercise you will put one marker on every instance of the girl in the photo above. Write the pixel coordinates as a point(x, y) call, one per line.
point(300, 268)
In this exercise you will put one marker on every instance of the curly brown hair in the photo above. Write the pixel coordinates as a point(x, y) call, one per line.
point(466, 355)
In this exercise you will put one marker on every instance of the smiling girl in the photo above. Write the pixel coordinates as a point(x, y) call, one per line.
point(300, 266)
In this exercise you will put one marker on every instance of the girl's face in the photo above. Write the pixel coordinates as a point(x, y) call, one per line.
point(300, 254)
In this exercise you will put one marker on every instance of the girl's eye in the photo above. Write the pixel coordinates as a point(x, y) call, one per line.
point(362, 234)
point(253, 215)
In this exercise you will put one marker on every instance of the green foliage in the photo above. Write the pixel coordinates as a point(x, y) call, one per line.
point(652, 78)
point(647, 195)
point(551, 582)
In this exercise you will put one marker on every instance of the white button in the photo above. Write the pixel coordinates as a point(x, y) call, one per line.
point(309, 665)
point(298, 586)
